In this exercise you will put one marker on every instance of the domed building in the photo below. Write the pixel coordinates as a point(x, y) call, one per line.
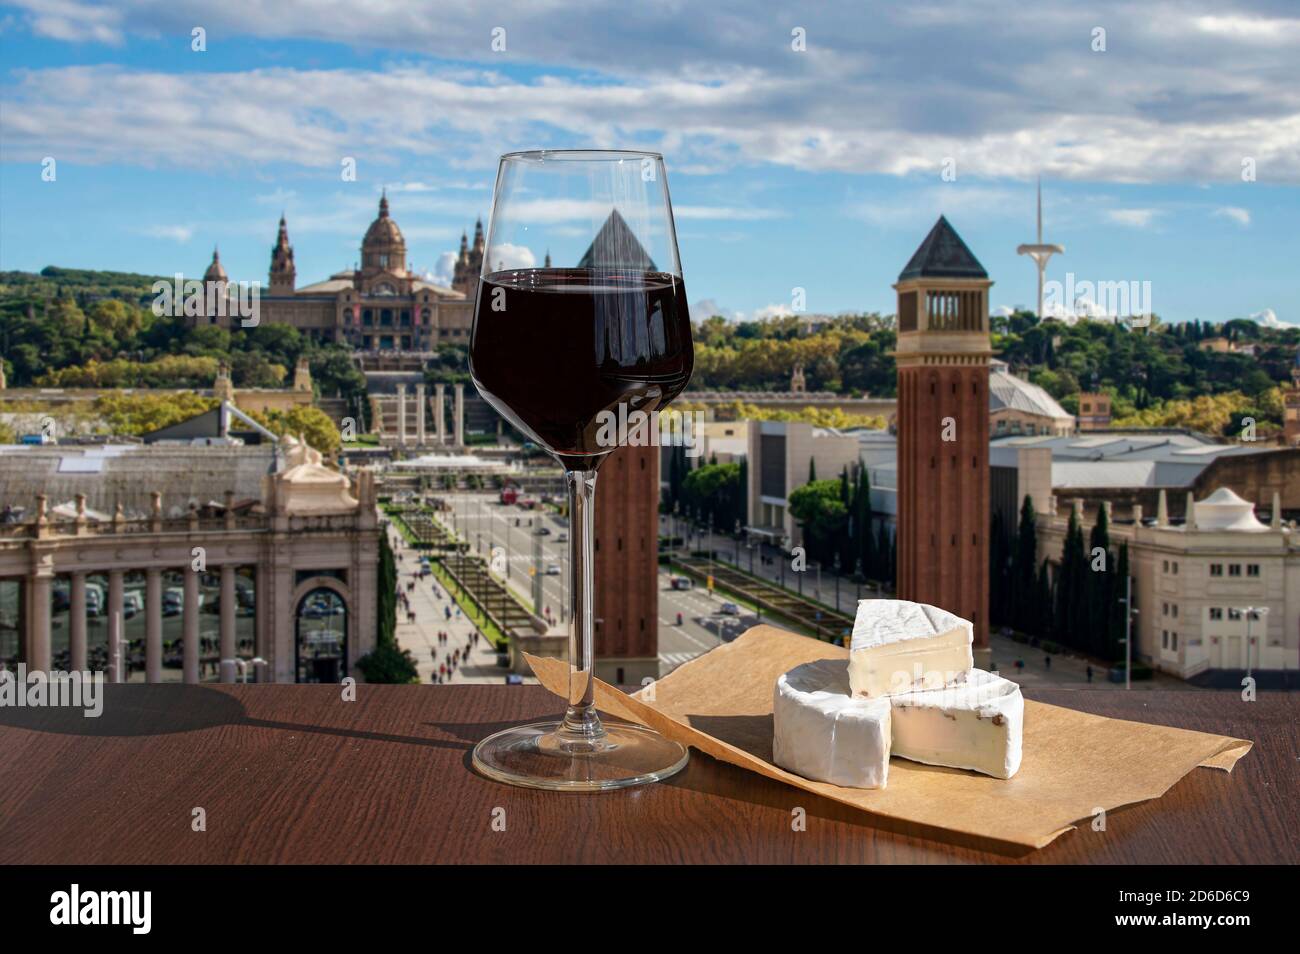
point(216, 271)
point(382, 306)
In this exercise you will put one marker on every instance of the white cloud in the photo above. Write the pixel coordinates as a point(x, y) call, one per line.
point(708, 307)
point(971, 199)
point(1270, 31)
point(75, 22)
point(279, 197)
point(1004, 311)
point(708, 85)
point(505, 256)
point(445, 269)
point(174, 233)
point(1239, 215)
point(1134, 218)
point(1269, 319)
point(778, 310)
point(722, 213)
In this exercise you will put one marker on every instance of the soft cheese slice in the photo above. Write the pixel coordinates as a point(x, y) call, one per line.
point(975, 726)
point(823, 733)
point(899, 646)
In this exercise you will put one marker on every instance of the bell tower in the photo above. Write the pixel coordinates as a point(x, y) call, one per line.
point(943, 430)
point(283, 272)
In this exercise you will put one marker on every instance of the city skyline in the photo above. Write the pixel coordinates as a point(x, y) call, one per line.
point(163, 152)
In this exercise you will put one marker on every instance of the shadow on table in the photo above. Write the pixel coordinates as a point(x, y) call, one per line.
point(142, 711)
point(753, 734)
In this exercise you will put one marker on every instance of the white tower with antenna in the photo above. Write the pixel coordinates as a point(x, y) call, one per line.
point(1039, 251)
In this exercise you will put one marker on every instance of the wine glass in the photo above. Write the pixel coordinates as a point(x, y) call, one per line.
point(560, 351)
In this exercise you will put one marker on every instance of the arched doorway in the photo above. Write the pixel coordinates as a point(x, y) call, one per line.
point(321, 636)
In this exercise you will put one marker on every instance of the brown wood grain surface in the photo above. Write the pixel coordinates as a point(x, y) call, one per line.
point(294, 774)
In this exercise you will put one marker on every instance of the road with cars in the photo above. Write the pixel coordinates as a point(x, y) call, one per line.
point(487, 524)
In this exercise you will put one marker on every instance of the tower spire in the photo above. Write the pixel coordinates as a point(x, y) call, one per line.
point(1040, 251)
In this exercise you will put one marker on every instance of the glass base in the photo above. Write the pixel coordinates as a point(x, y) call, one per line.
point(550, 755)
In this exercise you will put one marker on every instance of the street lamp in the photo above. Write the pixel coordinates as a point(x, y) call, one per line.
point(837, 582)
point(1129, 613)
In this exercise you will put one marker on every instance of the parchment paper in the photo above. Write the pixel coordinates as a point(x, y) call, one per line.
point(1074, 763)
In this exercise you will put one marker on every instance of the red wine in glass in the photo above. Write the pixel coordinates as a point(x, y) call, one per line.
point(561, 353)
point(571, 343)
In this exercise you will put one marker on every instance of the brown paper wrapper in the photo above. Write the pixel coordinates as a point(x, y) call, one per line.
point(1074, 763)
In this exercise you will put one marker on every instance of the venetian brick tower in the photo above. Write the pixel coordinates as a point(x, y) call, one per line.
point(626, 567)
point(943, 430)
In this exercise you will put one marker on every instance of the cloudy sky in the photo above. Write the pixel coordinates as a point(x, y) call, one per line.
point(819, 168)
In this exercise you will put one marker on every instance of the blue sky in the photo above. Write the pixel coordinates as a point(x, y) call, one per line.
point(819, 168)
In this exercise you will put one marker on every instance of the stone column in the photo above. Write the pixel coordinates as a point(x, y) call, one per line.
point(440, 412)
point(153, 625)
point(459, 411)
point(190, 641)
point(116, 626)
point(401, 415)
point(77, 623)
point(420, 401)
point(38, 624)
point(229, 606)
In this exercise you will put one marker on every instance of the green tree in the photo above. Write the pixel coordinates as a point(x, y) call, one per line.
point(1024, 563)
point(822, 515)
point(713, 493)
point(306, 421)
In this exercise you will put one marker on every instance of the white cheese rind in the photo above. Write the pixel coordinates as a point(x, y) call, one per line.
point(823, 733)
point(899, 646)
point(977, 726)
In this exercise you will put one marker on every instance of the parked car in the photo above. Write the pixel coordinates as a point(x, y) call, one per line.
point(563, 537)
point(543, 531)
point(729, 609)
point(552, 569)
point(682, 583)
point(132, 603)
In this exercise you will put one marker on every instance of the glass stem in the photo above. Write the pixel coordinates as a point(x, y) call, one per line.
point(580, 719)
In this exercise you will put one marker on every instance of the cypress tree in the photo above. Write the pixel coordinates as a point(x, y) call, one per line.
point(862, 506)
point(1100, 584)
point(742, 493)
point(1041, 616)
point(1067, 599)
point(998, 576)
point(812, 469)
point(1024, 565)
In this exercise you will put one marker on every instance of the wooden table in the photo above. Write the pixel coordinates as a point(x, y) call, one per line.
point(294, 774)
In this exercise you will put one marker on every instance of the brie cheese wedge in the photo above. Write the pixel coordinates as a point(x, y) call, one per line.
point(977, 726)
point(823, 733)
point(898, 646)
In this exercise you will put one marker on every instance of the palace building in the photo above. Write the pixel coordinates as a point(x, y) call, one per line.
point(381, 306)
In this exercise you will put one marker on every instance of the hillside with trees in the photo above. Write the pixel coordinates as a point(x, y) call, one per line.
point(75, 328)
point(1156, 376)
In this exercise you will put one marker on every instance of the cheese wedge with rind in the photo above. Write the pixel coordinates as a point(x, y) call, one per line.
point(978, 725)
point(823, 733)
point(899, 646)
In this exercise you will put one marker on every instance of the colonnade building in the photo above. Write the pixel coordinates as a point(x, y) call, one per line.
point(184, 563)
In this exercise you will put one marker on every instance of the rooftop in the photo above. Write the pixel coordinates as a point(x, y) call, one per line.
point(129, 473)
point(1008, 392)
point(943, 254)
